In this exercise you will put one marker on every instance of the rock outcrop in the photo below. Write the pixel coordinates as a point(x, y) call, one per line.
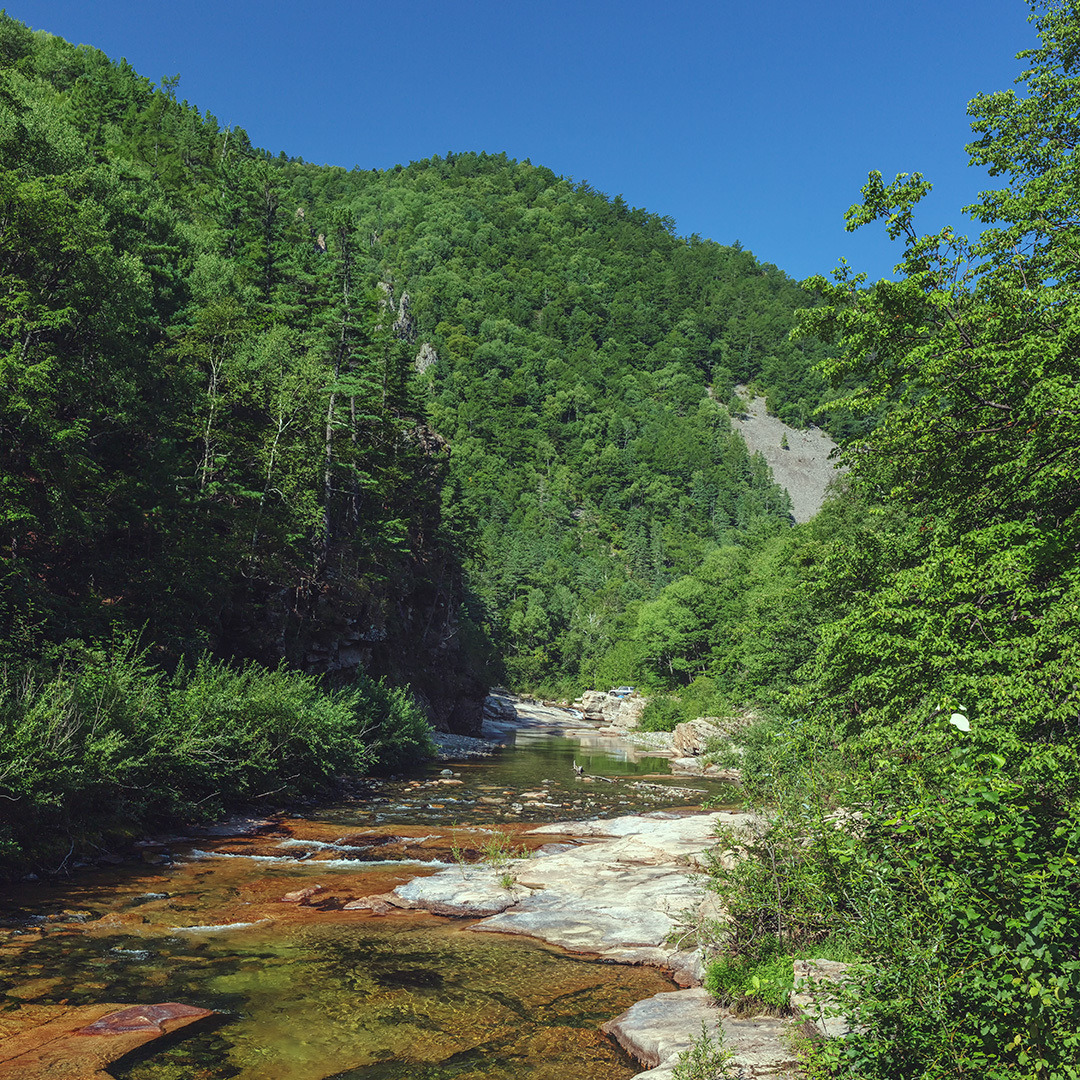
point(618, 712)
point(620, 896)
point(803, 467)
point(658, 1029)
point(692, 737)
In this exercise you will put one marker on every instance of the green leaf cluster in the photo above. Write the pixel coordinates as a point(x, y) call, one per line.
point(109, 745)
point(924, 765)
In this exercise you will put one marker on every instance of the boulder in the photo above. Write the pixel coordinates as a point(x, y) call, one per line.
point(474, 891)
point(378, 904)
point(499, 707)
point(302, 896)
point(592, 703)
point(691, 737)
point(617, 712)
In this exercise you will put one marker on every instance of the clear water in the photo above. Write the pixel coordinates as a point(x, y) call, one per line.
point(313, 992)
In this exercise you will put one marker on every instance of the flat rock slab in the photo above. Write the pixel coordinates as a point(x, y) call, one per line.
point(585, 926)
point(620, 895)
point(58, 1042)
point(658, 1029)
point(465, 892)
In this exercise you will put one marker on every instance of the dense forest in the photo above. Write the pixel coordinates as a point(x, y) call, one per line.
point(293, 457)
point(439, 426)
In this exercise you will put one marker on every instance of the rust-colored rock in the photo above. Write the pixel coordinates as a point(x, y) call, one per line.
point(140, 1018)
point(57, 1042)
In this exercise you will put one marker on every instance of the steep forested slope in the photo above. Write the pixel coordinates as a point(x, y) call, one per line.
point(920, 639)
point(203, 443)
point(273, 408)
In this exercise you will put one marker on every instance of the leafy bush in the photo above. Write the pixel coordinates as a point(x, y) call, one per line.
point(110, 742)
point(749, 987)
point(954, 884)
point(662, 713)
point(700, 698)
point(706, 1059)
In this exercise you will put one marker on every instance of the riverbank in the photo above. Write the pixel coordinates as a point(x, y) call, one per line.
point(261, 910)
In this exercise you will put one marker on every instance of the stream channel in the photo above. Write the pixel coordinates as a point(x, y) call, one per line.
point(312, 991)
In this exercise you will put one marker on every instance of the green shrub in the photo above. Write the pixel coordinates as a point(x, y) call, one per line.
point(701, 697)
point(954, 884)
point(662, 713)
point(108, 742)
point(398, 730)
point(706, 1059)
point(751, 986)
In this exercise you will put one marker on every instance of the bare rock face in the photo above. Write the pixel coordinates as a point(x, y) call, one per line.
point(620, 712)
point(692, 737)
point(425, 358)
point(800, 460)
point(499, 708)
point(404, 325)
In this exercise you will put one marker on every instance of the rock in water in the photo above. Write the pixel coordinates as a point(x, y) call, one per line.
point(141, 1018)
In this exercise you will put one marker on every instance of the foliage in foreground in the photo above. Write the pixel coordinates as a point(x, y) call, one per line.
point(706, 1059)
point(955, 885)
point(109, 743)
point(924, 788)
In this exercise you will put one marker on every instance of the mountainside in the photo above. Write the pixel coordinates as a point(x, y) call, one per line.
point(442, 422)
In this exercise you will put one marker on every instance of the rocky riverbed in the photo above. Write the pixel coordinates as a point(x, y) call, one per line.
point(498, 879)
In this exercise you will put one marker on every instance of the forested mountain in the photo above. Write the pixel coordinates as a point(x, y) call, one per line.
point(918, 642)
point(574, 352)
point(426, 422)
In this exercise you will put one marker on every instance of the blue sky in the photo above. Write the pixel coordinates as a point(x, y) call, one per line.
point(750, 122)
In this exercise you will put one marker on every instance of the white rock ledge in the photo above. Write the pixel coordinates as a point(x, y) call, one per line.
point(619, 893)
point(658, 1029)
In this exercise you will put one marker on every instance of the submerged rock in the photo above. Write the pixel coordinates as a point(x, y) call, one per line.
point(302, 896)
point(78, 1042)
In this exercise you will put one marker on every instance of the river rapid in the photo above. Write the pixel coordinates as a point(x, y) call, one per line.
point(303, 987)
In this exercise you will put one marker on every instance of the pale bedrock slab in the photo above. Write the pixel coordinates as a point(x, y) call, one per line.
point(586, 926)
point(658, 1029)
point(622, 896)
point(469, 892)
point(668, 837)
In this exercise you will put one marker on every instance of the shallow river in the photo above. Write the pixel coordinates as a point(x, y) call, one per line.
point(311, 991)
